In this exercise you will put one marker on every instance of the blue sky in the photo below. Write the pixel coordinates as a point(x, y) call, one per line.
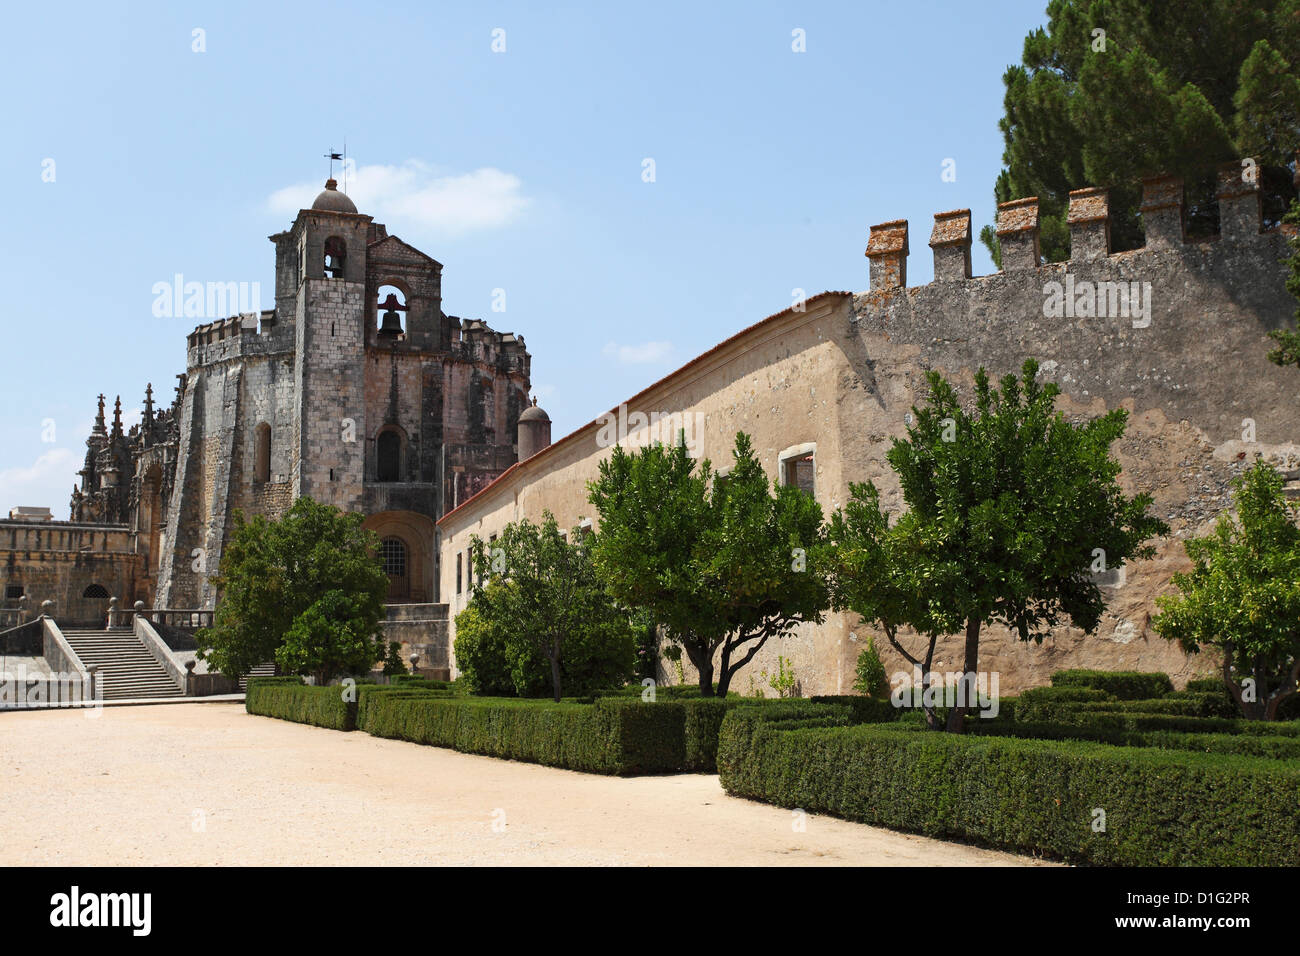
point(519, 170)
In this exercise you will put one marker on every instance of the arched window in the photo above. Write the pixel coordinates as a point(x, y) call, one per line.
point(95, 591)
point(388, 456)
point(392, 551)
point(336, 252)
point(262, 452)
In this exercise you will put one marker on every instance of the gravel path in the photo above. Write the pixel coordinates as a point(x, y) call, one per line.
point(199, 784)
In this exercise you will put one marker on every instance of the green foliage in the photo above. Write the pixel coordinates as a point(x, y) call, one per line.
point(538, 610)
point(1250, 745)
point(1010, 509)
point(1243, 595)
point(1124, 685)
point(393, 663)
point(1045, 703)
point(320, 706)
point(720, 565)
point(306, 591)
point(1180, 86)
point(871, 679)
point(1163, 808)
point(783, 681)
point(1288, 340)
point(613, 736)
point(415, 680)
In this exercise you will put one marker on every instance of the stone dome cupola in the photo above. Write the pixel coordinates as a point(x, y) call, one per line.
point(331, 200)
point(534, 431)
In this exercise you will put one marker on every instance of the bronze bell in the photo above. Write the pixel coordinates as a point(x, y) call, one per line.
point(392, 324)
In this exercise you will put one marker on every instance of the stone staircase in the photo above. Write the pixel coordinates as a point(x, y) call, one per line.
point(261, 670)
point(126, 668)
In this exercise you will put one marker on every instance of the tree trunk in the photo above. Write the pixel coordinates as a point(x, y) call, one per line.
point(957, 715)
point(555, 675)
point(701, 657)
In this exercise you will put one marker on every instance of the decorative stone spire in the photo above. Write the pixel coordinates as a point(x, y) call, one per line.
point(117, 417)
point(99, 418)
point(148, 406)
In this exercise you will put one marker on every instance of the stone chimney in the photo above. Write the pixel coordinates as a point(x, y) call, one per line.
point(887, 253)
point(1162, 211)
point(1018, 234)
point(1238, 193)
point(950, 241)
point(1089, 221)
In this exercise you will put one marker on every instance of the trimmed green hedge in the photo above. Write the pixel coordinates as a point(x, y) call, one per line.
point(1041, 704)
point(1125, 685)
point(414, 680)
point(1033, 796)
point(292, 700)
point(1278, 747)
point(366, 693)
point(611, 736)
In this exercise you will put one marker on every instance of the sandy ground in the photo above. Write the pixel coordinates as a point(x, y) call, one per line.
point(195, 784)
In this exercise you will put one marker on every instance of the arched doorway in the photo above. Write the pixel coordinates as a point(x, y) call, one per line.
point(406, 552)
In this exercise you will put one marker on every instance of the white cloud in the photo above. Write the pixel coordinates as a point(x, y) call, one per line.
point(46, 482)
point(643, 354)
point(418, 195)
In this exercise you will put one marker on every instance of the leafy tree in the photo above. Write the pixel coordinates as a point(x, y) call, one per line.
point(722, 565)
point(1009, 510)
point(1173, 86)
point(1288, 340)
point(871, 678)
point(882, 573)
point(536, 594)
point(1243, 595)
point(484, 654)
point(306, 591)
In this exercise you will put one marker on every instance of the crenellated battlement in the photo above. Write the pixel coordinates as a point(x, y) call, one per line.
point(1017, 228)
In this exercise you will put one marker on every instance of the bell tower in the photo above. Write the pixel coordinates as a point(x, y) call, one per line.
point(329, 240)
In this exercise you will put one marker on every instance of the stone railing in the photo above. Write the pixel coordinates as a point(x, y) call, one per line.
point(189, 618)
point(160, 651)
point(62, 658)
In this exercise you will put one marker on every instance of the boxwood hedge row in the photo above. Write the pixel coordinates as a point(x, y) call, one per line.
point(290, 699)
point(1125, 685)
point(613, 736)
point(1032, 796)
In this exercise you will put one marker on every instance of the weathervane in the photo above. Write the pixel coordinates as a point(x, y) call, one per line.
point(341, 157)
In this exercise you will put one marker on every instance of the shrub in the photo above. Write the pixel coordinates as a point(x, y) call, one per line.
point(610, 736)
point(702, 720)
point(863, 710)
point(393, 663)
point(1271, 747)
point(320, 706)
point(1045, 703)
point(415, 680)
point(1125, 685)
point(366, 693)
point(871, 679)
point(1034, 796)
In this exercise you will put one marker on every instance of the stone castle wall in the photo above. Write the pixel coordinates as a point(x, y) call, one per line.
point(837, 376)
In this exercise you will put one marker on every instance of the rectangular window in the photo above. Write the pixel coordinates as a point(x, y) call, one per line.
point(459, 557)
point(13, 592)
point(798, 474)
